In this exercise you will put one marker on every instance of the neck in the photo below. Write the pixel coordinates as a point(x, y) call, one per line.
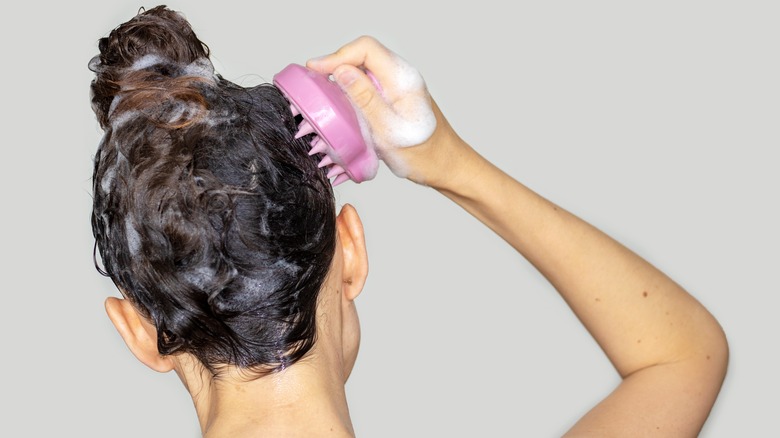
point(303, 400)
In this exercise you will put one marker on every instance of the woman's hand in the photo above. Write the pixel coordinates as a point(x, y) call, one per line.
point(400, 118)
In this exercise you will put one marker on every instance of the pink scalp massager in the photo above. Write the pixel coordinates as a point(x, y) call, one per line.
point(326, 111)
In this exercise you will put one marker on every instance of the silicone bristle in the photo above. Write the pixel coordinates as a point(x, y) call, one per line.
point(318, 146)
point(336, 170)
point(304, 128)
point(327, 161)
point(340, 179)
point(294, 110)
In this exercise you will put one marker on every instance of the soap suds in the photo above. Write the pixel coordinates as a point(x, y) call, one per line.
point(107, 182)
point(273, 277)
point(411, 120)
point(133, 238)
point(122, 118)
point(408, 121)
point(200, 67)
point(146, 61)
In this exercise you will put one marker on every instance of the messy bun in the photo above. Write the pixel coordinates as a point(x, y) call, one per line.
point(208, 214)
point(156, 46)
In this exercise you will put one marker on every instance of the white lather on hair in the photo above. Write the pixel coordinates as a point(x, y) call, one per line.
point(200, 67)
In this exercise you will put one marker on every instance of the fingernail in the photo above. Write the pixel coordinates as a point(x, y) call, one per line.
point(316, 60)
point(345, 77)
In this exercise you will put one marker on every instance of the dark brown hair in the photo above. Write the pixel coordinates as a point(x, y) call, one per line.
point(208, 214)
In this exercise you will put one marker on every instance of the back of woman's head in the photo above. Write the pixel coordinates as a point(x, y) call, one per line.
point(208, 214)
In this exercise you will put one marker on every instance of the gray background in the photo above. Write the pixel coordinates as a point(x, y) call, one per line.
point(657, 122)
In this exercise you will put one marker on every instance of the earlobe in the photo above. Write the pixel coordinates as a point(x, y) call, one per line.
point(353, 247)
point(139, 336)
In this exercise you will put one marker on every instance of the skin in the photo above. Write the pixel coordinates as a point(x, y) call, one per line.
point(668, 349)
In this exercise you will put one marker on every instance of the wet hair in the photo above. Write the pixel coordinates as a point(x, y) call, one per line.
point(208, 215)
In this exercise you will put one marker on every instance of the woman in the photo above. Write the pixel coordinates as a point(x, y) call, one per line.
point(221, 233)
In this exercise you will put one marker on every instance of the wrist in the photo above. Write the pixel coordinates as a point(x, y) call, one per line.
point(455, 167)
point(442, 161)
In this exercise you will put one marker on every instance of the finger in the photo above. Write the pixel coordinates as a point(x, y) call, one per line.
point(354, 53)
point(361, 91)
point(364, 51)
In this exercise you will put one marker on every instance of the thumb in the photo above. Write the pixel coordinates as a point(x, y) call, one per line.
point(360, 89)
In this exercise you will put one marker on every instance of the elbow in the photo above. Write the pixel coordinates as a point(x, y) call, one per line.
point(714, 367)
point(711, 358)
point(707, 340)
point(715, 343)
point(719, 350)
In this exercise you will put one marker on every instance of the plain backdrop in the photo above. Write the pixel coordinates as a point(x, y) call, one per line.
point(655, 121)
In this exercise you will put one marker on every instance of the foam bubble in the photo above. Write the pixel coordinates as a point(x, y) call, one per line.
point(181, 111)
point(198, 277)
point(408, 122)
point(110, 175)
point(108, 179)
point(411, 120)
point(272, 278)
point(412, 123)
point(133, 238)
point(407, 77)
point(200, 67)
point(122, 118)
point(146, 61)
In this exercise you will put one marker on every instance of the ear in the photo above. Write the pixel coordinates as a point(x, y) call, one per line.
point(353, 248)
point(139, 335)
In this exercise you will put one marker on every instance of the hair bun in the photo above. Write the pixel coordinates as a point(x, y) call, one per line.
point(154, 50)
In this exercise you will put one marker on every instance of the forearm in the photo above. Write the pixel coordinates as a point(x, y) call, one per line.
point(669, 350)
point(637, 314)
